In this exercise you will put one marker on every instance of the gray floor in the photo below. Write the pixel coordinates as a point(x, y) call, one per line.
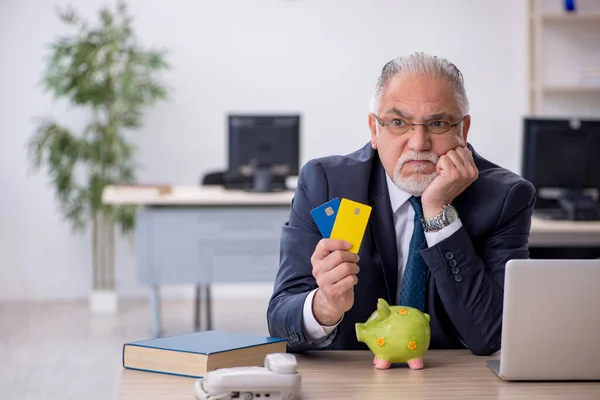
point(56, 350)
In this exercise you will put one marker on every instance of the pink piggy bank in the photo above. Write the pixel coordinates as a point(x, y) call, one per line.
point(396, 334)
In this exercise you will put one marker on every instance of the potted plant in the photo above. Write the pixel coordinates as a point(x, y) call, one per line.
point(104, 69)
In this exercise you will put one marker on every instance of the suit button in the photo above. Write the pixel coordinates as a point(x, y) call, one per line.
point(457, 278)
point(452, 263)
point(455, 270)
point(449, 256)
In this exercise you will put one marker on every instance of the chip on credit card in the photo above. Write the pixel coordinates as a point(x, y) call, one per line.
point(350, 223)
point(345, 220)
point(324, 216)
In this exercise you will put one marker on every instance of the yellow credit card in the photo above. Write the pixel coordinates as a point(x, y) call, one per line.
point(351, 222)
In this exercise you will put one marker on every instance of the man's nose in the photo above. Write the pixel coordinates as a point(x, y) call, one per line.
point(419, 139)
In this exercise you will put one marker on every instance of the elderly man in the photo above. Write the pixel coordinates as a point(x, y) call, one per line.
point(444, 222)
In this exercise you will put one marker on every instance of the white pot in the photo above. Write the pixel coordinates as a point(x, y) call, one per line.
point(103, 302)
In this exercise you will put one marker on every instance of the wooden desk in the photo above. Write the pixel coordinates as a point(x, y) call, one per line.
point(191, 196)
point(545, 233)
point(454, 374)
point(204, 234)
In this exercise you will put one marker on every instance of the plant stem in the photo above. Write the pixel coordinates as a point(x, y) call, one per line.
point(103, 258)
point(103, 244)
point(95, 249)
point(110, 253)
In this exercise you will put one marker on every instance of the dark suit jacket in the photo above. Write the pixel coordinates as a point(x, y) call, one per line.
point(465, 280)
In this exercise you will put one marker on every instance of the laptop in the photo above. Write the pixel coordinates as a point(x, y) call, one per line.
point(551, 321)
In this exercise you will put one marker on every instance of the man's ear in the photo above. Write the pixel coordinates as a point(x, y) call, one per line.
point(373, 128)
point(466, 125)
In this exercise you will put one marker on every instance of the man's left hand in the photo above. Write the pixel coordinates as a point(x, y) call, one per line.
point(456, 171)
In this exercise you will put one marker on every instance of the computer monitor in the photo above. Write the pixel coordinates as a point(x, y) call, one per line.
point(562, 155)
point(264, 150)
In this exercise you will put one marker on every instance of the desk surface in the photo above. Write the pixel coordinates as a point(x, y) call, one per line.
point(564, 233)
point(351, 375)
point(152, 195)
point(543, 232)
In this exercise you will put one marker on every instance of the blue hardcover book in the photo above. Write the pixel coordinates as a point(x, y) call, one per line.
point(197, 353)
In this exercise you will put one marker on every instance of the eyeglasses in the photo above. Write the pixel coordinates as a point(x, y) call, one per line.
point(400, 126)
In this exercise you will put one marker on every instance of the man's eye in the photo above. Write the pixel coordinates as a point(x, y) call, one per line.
point(439, 124)
point(397, 122)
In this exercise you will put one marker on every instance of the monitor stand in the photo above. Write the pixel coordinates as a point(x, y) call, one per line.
point(263, 182)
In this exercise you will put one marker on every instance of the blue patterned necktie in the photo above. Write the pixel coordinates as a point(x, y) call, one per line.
point(414, 280)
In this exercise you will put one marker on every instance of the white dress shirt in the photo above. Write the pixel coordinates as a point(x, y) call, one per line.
point(404, 215)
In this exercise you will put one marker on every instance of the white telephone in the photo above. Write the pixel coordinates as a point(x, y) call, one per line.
point(277, 380)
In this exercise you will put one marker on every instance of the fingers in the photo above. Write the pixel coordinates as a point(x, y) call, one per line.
point(444, 165)
point(335, 288)
point(458, 164)
point(458, 161)
point(344, 285)
point(337, 274)
point(463, 156)
point(332, 261)
point(326, 246)
point(467, 159)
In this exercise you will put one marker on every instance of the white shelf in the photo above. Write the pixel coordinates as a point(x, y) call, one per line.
point(557, 89)
point(564, 51)
point(574, 17)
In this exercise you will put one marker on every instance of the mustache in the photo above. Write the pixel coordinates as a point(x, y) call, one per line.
point(414, 156)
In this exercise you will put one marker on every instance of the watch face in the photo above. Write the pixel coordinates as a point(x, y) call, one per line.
point(450, 214)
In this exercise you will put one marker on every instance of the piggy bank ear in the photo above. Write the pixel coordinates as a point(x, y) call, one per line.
point(427, 317)
point(383, 309)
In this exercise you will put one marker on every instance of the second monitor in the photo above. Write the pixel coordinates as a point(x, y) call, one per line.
point(264, 150)
point(562, 155)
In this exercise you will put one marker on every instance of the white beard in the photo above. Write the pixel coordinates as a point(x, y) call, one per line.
point(417, 182)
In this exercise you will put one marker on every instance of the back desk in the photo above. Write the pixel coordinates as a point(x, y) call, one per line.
point(205, 235)
point(448, 374)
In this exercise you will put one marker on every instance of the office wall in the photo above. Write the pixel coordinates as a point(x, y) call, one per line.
point(320, 58)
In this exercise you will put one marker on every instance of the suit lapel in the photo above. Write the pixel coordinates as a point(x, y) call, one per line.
point(383, 231)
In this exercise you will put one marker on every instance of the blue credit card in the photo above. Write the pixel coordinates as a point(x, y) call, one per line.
point(324, 216)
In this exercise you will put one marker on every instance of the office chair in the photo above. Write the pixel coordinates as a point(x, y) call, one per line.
point(214, 178)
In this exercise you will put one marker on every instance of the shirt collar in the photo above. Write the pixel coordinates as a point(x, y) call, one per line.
point(397, 196)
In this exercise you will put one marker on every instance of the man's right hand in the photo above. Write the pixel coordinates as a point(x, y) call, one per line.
point(335, 269)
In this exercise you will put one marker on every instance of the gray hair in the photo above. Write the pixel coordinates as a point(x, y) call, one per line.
point(421, 63)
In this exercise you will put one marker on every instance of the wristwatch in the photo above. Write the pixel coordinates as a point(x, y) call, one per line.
point(447, 216)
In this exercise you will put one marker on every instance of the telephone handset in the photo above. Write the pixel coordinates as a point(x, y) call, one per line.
point(281, 363)
point(278, 379)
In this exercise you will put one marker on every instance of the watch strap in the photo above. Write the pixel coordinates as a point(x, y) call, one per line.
point(436, 223)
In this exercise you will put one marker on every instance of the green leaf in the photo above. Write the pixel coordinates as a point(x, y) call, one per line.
point(124, 216)
point(103, 67)
point(156, 60)
point(68, 15)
